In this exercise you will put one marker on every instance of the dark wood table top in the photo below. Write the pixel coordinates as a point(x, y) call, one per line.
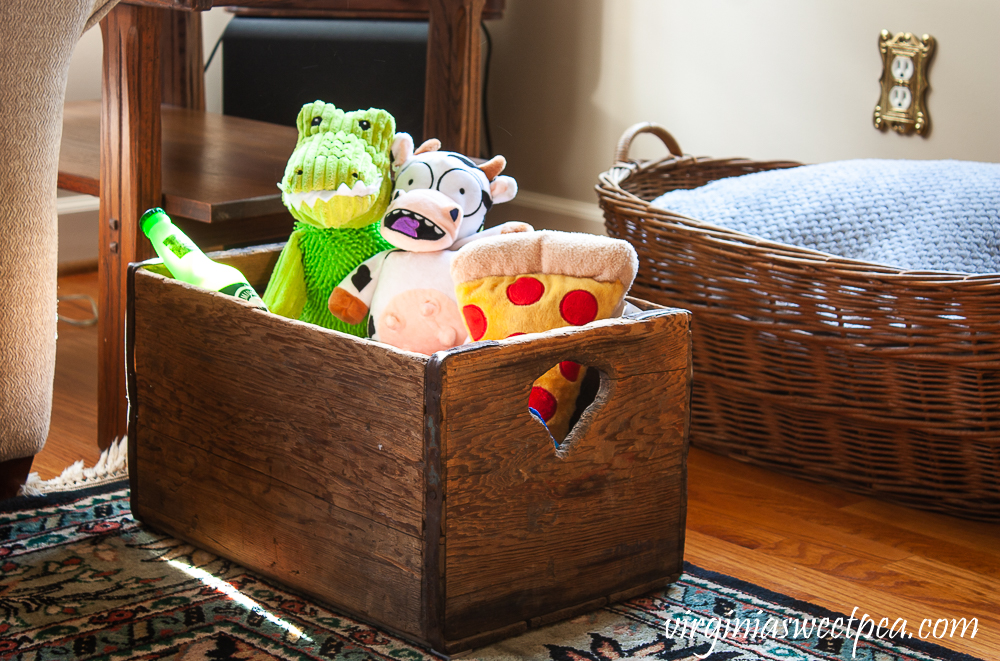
point(380, 9)
point(215, 167)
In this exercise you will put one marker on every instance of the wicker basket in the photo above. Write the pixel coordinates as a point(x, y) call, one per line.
point(882, 381)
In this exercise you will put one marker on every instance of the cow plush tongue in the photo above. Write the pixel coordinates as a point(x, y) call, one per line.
point(407, 225)
point(413, 225)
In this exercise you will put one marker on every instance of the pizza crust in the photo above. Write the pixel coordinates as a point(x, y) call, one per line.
point(571, 254)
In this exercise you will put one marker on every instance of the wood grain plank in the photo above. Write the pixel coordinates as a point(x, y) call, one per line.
point(374, 9)
point(130, 183)
point(225, 377)
point(453, 96)
point(773, 504)
point(201, 180)
point(543, 493)
point(288, 533)
point(255, 263)
point(225, 235)
point(976, 535)
point(796, 489)
point(200, 157)
point(434, 541)
point(182, 65)
point(73, 427)
point(528, 530)
point(971, 585)
point(730, 528)
point(178, 5)
point(786, 576)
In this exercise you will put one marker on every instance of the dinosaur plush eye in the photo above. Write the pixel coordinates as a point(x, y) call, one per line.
point(461, 186)
point(317, 121)
point(364, 124)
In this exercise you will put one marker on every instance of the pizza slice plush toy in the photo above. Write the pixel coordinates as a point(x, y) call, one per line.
point(533, 282)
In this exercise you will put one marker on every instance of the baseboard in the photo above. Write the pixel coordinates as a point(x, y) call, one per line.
point(78, 266)
point(550, 212)
point(79, 218)
point(77, 204)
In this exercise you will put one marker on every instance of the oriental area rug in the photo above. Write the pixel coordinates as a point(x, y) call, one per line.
point(80, 579)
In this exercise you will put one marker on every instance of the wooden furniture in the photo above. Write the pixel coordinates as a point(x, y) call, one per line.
point(381, 9)
point(138, 170)
point(219, 173)
point(415, 492)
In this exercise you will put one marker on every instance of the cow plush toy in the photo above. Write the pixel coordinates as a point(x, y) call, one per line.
point(438, 205)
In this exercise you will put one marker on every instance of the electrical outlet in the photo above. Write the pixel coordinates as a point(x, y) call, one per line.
point(900, 98)
point(902, 67)
point(902, 103)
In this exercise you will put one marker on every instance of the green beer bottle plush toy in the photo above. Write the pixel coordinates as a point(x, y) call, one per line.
point(336, 185)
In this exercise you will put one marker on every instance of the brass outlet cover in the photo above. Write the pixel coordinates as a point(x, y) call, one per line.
point(902, 104)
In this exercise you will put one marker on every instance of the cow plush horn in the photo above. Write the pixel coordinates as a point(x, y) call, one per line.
point(493, 167)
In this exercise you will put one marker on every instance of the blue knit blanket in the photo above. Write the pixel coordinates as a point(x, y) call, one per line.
point(914, 215)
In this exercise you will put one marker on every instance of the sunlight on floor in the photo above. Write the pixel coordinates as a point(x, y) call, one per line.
point(239, 597)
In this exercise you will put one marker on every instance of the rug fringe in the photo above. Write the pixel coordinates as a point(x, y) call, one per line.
point(112, 465)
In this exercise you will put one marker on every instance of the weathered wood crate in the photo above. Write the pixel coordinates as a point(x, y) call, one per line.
point(417, 493)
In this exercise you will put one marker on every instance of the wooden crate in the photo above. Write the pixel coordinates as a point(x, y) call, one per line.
point(416, 493)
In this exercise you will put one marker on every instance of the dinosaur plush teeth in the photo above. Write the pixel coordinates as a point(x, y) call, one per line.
point(309, 198)
point(360, 188)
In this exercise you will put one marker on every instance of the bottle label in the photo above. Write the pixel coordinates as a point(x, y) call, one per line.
point(178, 244)
point(244, 291)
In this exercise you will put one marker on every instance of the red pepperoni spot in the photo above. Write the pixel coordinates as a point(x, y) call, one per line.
point(515, 334)
point(543, 401)
point(578, 307)
point(569, 370)
point(475, 320)
point(525, 291)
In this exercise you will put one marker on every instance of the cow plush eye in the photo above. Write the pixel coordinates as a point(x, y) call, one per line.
point(461, 186)
point(415, 175)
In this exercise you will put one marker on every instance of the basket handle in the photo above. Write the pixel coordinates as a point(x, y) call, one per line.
point(621, 151)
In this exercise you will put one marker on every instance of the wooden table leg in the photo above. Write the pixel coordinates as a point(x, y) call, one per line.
point(453, 95)
point(182, 59)
point(130, 183)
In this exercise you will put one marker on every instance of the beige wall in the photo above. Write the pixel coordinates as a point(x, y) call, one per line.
point(786, 79)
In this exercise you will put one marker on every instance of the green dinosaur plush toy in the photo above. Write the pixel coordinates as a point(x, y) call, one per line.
point(336, 185)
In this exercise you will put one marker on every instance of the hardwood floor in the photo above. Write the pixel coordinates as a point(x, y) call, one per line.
point(813, 542)
point(840, 550)
point(73, 429)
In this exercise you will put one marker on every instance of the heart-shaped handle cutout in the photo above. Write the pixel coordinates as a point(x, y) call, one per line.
point(560, 397)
